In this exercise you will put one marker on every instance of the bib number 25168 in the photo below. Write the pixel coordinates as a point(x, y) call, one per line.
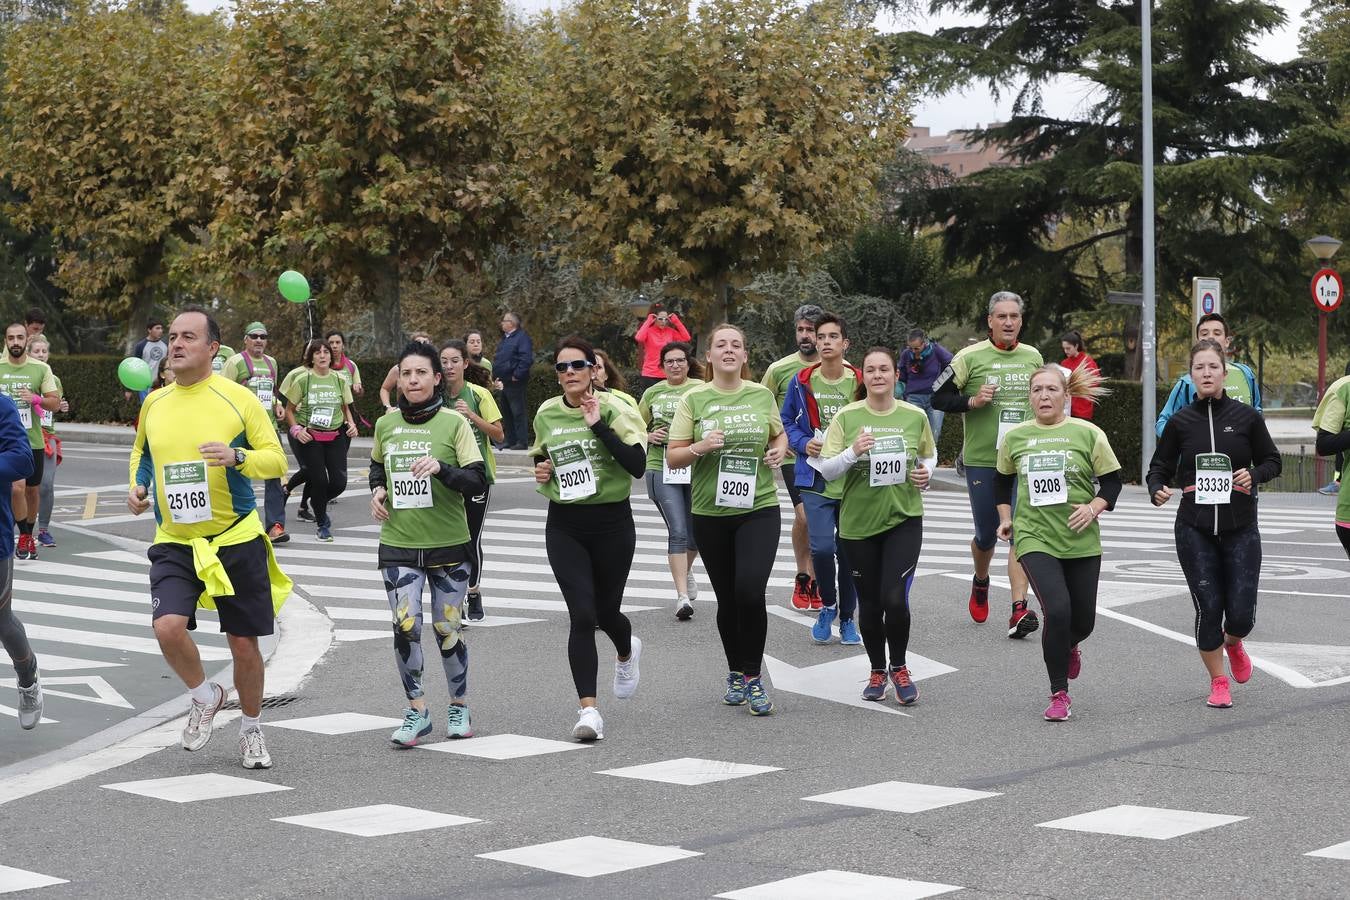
point(187, 492)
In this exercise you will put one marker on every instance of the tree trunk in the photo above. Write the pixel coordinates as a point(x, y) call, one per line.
point(715, 313)
point(143, 306)
point(384, 296)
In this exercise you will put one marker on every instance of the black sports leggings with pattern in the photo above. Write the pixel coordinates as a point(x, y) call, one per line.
point(1223, 571)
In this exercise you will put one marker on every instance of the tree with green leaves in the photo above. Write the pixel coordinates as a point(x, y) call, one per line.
point(1231, 130)
point(99, 111)
point(360, 141)
point(659, 141)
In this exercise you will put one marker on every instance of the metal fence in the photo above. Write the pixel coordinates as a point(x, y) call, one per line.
point(1302, 471)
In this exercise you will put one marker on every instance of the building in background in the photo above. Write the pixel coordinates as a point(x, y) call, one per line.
point(953, 152)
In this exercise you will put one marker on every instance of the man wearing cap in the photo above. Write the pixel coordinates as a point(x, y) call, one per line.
point(257, 371)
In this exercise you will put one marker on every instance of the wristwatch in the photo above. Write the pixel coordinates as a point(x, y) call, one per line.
point(238, 456)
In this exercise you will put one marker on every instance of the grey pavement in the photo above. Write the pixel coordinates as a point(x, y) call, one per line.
point(958, 793)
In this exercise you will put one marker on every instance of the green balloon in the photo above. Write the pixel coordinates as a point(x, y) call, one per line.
point(134, 373)
point(293, 286)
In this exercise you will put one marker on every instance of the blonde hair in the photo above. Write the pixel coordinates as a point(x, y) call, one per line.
point(745, 344)
point(1081, 383)
point(39, 339)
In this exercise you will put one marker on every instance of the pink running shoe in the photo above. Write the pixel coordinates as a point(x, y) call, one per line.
point(1239, 663)
point(1075, 662)
point(1059, 707)
point(1219, 696)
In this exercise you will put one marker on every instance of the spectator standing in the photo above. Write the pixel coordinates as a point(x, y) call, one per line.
point(1075, 355)
point(511, 364)
point(921, 362)
point(661, 327)
point(150, 348)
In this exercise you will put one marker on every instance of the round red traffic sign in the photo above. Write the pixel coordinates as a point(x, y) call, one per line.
point(1327, 290)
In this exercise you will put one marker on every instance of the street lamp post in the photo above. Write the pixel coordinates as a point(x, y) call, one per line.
point(1324, 248)
point(1148, 313)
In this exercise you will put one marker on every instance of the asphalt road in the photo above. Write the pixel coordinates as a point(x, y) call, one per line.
point(959, 793)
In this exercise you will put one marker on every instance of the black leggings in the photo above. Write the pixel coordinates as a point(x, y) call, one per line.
point(738, 552)
point(325, 475)
point(883, 572)
point(297, 478)
point(1343, 532)
point(12, 635)
point(1222, 571)
point(590, 547)
point(1067, 590)
point(475, 510)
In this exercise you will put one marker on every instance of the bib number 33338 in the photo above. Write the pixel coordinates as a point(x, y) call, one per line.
point(1213, 479)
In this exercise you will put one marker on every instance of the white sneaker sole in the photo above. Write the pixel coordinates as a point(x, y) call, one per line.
point(192, 746)
point(624, 689)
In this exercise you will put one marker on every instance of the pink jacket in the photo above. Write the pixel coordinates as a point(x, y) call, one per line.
point(652, 337)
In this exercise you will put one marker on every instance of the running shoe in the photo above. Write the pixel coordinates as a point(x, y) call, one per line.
point(305, 514)
point(1239, 663)
point(589, 727)
point(1331, 488)
point(457, 722)
point(416, 725)
point(277, 534)
point(1075, 662)
point(626, 672)
point(848, 633)
point(979, 600)
point(325, 534)
point(1059, 709)
point(801, 592)
point(45, 539)
point(692, 584)
point(906, 692)
point(820, 632)
point(1023, 621)
point(253, 749)
point(475, 604)
point(30, 703)
point(760, 704)
point(816, 603)
point(684, 610)
point(197, 731)
point(1219, 695)
point(735, 695)
point(876, 686)
point(27, 548)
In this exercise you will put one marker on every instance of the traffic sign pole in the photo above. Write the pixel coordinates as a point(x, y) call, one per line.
point(1327, 291)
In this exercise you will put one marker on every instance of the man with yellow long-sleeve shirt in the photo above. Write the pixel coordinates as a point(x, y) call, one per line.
point(200, 444)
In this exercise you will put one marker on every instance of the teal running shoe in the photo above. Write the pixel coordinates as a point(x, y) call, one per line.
point(416, 725)
point(735, 695)
point(760, 704)
point(457, 724)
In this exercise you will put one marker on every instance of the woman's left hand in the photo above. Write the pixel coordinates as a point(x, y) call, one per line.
point(425, 466)
point(773, 457)
point(1082, 516)
point(351, 429)
point(1243, 478)
point(590, 409)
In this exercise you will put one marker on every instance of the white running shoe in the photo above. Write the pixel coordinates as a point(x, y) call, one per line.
point(684, 610)
point(693, 586)
point(197, 731)
point(589, 727)
point(626, 672)
point(30, 704)
point(253, 749)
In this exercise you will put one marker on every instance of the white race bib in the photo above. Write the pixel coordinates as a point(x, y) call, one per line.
point(187, 493)
point(263, 388)
point(1213, 479)
point(675, 476)
point(25, 415)
point(1008, 419)
point(887, 461)
point(48, 419)
point(321, 417)
point(1047, 485)
point(410, 492)
point(575, 474)
point(736, 477)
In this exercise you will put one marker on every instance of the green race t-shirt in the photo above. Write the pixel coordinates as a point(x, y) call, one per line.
point(1011, 370)
point(1331, 416)
point(865, 510)
point(38, 378)
point(424, 514)
point(583, 469)
point(736, 474)
point(832, 396)
point(262, 381)
point(319, 399)
point(776, 378)
point(222, 356)
point(481, 402)
point(657, 407)
point(1055, 465)
point(47, 417)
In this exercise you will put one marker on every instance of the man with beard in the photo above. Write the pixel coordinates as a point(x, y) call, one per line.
point(32, 387)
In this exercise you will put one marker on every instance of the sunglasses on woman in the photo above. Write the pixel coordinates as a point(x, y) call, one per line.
point(576, 365)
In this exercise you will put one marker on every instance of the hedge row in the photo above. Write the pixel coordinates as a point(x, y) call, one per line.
point(95, 396)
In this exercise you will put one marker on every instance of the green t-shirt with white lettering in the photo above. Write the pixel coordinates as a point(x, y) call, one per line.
point(481, 402)
point(221, 358)
point(447, 437)
point(582, 465)
point(776, 378)
point(749, 420)
point(657, 406)
point(319, 399)
point(1076, 451)
point(865, 510)
point(1011, 370)
point(1331, 416)
point(258, 375)
point(38, 378)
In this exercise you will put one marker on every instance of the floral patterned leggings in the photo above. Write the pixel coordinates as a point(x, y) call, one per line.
point(449, 584)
